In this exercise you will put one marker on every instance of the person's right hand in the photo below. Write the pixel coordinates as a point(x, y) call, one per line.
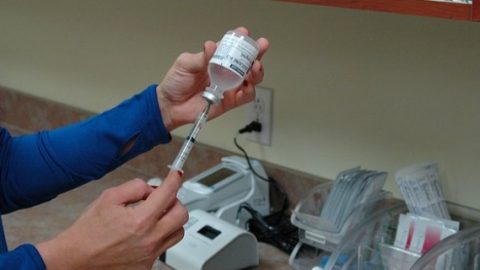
point(114, 234)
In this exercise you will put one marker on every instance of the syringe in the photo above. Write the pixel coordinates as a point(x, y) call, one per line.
point(190, 140)
point(227, 69)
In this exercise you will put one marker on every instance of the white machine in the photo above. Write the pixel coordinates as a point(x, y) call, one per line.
point(212, 244)
point(222, 188)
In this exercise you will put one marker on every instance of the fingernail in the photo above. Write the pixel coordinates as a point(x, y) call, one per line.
point(180, 173)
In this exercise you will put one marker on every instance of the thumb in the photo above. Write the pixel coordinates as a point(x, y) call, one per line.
point(163, 196)
point(209, 48)
point(129, 192)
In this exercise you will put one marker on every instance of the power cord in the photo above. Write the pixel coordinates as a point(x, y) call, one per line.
point(275, 228)
point(253, 126)
point(256, 126)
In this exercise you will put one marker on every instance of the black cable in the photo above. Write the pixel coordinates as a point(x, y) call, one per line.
point(273, 228)
point(286, 203)
point(282, 235)
point(255, 215)
point(256, 126)
point(253, 126)
point(248, 160)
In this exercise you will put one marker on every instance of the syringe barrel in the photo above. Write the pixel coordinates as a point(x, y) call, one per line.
point(182, 155)
point(190, 140)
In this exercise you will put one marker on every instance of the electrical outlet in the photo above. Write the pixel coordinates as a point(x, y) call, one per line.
point(261, 110)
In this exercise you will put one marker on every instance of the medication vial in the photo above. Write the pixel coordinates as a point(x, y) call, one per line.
point(229, 64)
point(227, 69)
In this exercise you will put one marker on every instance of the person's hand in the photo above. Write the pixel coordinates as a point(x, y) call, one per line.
point(180, 92)
point(127, 227)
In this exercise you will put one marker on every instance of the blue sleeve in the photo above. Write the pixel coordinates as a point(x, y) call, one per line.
point(24, 257)
point(36, 168)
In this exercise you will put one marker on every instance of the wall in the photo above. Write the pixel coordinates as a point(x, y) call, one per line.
point(351, 87)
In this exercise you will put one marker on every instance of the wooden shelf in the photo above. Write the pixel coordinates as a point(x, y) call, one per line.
point(468, 12)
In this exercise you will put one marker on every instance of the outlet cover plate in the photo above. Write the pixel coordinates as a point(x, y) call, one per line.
point(261, 109)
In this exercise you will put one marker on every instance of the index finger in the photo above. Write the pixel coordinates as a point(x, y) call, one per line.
point(164, 196)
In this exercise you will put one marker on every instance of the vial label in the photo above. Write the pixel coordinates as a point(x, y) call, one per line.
point(235, 54)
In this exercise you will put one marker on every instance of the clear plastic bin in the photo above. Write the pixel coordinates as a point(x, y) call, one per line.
point(370, 245)
point(320, 233)
point(459, 251)
point(318, 238)
point(362, 244)
point(308, 257)
point(305, 256)
point(394, 258)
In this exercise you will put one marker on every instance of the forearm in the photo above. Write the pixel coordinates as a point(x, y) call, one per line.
point(37, 167)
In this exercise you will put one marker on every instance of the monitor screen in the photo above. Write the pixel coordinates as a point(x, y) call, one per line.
point(216, 177)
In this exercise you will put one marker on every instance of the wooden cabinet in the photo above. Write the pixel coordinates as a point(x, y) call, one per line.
point(448, 10)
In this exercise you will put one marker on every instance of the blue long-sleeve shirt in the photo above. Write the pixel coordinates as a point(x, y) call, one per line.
point(36, 168)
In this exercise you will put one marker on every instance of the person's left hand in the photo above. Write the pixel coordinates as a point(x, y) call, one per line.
point(180, 92)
